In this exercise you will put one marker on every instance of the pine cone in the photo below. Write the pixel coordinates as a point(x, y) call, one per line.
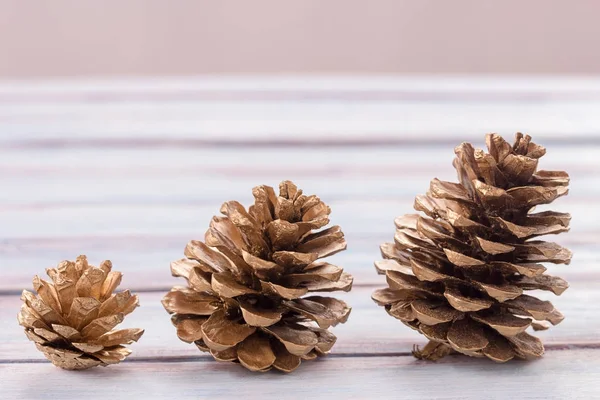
point(458, 273)
point(243, 302)
point(71, 319)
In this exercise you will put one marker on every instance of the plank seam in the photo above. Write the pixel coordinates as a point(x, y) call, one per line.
point(91, 97)
point(360, 141)
point(202, 358)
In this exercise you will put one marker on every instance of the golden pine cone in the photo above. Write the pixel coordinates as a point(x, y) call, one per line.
point(244, 300)
point(71, 318)
point(458, 273)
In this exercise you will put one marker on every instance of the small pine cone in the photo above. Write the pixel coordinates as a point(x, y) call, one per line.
point(458, 273)
point(71, 318)
point(244, 300)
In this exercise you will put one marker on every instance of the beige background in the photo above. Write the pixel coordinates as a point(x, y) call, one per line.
point(149, 37)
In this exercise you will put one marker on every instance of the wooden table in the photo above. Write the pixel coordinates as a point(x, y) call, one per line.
point(130, 170)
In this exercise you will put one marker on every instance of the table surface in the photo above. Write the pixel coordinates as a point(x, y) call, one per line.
point(131, 170)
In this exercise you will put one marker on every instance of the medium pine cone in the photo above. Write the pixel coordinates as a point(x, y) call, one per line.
point(243, 302)
point(458, 273)
point(71, 318)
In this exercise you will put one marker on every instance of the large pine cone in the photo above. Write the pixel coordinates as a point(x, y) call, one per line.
point(71, 318)
point(458, 274)
point(244, 298)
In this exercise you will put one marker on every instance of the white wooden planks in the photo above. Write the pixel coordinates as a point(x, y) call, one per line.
point(131, 170)
point(328, 85)
point(139, 207)
point(298, 110)
point(560, 375)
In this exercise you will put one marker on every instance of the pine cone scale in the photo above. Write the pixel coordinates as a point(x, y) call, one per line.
point(255, 316)
point(83, 311)
point(464, 303)
point(314, 310)
point(284, 360)
point(189, 327)
point(208, 260)
point(123, 336)
point(284, 292)
point(226, 355)
point(498, 349)
point(190, 302)
point(297, 339)
point(67, 332)
point(262, 268)
point(466, 336)
point(318, 271)
point(220, 333)
point(225, 285)
point(255, 353)
point(344, 283)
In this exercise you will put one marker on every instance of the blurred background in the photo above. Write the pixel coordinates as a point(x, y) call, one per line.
point(189, 37)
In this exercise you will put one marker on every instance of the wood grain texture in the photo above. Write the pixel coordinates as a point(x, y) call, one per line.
point(427, 110)
point(139, 207)
point(568, 374)
point(133, 170)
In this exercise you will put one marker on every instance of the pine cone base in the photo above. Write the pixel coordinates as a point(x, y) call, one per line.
point(432, 351)
point(67, 359)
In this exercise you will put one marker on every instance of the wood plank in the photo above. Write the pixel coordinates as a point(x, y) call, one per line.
point(59, 191)
point(38, 188)
point(89, 168)
point(51, 180)
point(559, 375)
point(324, 109)
point(356, 217)
point(137, 157)
point(320, 121)
point(140, 207)
point(517, 86)
point(143, 239)
point(369, 329)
